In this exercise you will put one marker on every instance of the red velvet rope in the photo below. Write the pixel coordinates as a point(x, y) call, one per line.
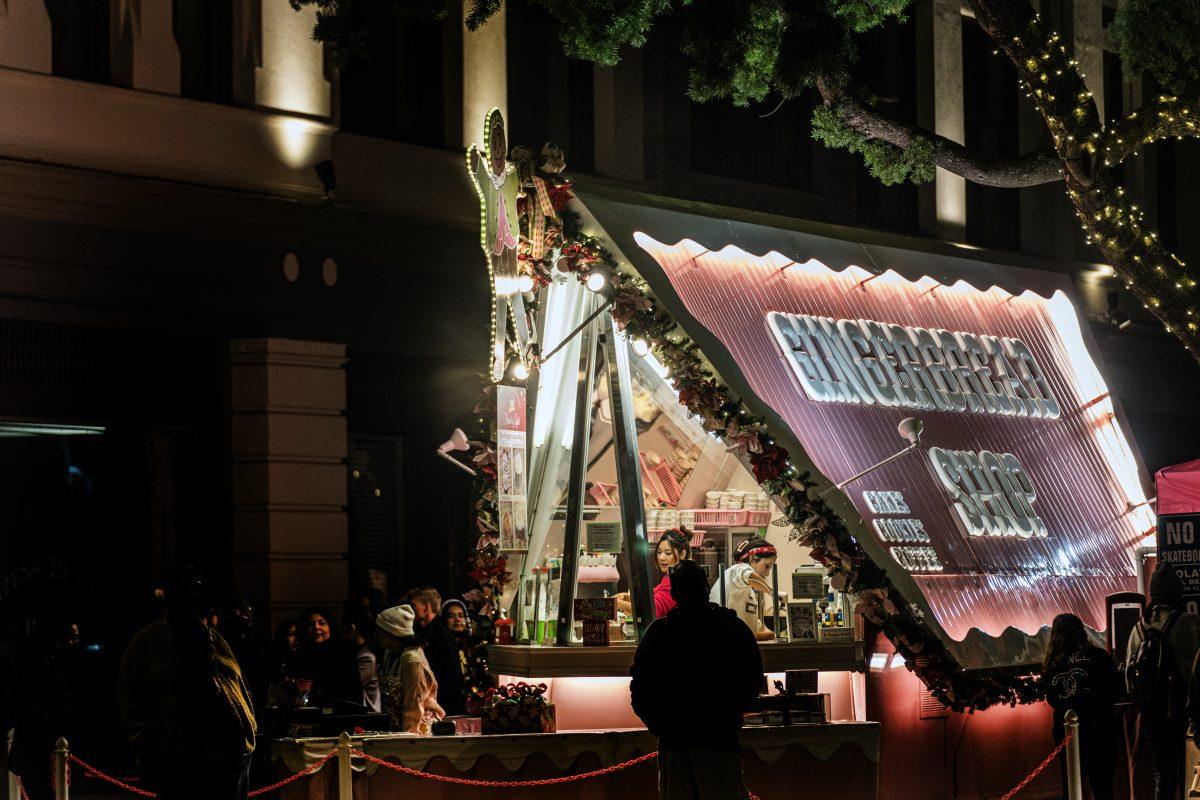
point(1040, 768)
point(92, 772)
point(527, 784)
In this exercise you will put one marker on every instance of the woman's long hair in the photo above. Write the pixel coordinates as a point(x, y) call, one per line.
point(1067, 637)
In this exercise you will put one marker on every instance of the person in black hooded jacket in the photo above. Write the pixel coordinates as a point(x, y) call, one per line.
point(1080, 677)
point(672, 691)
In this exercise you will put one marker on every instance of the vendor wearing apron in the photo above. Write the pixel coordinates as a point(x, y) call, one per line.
point(746, 582)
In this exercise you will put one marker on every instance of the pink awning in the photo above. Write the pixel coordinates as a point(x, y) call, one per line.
point(1179, 488)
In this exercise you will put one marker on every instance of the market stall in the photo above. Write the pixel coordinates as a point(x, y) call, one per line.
point(895, 466)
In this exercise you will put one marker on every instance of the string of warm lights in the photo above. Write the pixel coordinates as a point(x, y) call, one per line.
point(1114, 225)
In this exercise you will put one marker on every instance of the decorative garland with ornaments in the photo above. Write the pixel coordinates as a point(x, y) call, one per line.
point(566, 248)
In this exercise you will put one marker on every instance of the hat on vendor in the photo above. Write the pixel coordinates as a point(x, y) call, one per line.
point(1165, 587)
point(754, 547)
point(397, 620)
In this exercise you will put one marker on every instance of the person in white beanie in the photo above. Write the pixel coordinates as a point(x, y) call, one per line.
point(406, 681)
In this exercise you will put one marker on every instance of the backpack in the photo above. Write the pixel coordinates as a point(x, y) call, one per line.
point(1157, 686)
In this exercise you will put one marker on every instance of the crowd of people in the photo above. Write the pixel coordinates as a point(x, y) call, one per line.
point(196, 689)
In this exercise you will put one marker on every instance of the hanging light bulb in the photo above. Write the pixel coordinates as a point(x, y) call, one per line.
point(520, 371)
point(525, 283)
point(596, 280)
point(641, 347)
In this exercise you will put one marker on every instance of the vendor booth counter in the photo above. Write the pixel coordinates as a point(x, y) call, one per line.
point(838, 759)
point(589, 687)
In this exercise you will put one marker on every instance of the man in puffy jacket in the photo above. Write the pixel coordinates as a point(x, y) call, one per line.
point(696, 721)
point(1165, 720)
point(185, 704)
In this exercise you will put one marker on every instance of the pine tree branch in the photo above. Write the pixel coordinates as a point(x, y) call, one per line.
point(1030, 169)
point(1161, 118)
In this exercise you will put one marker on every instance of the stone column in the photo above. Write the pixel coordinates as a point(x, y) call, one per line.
point(25, 39)
point(620, 119)
point(484, 74)
point(943, 206)
point(291, 76)
point(289, 474)
point(144, 53)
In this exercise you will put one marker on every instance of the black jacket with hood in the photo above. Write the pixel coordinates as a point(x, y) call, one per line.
point(695, 673)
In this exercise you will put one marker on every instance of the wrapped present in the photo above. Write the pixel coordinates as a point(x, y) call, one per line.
point(518, 708)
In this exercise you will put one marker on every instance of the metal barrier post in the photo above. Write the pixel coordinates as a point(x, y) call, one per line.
point(62, 791)
point(14, 792)
point(1074, 775)
point(345, 776)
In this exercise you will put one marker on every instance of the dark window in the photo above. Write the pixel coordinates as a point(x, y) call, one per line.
point(79, 34)
point(395, 88)
point(550, 96)
point(766, 142)
point(990, 97)
point(887, 67)
point(204, 33)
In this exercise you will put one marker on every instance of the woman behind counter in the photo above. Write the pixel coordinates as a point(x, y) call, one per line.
point(405, 680)
point(673, 547)
point(745, 580)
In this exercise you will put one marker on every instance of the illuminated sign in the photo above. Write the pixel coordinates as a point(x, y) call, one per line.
point(904, 532)
point(869, 362)
point(1039, 498)
point(992, 493)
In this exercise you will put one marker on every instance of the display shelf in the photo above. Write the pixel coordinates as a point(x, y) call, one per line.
point(723, 518)
point(528, 661)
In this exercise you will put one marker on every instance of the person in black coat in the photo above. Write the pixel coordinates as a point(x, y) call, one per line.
point(1080, 677)
point(326, 659)
point(694, 675)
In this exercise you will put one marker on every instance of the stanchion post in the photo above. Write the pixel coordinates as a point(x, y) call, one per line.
point(14, 792)
point(345, 776)
point(62, 790)
point(1074, 775)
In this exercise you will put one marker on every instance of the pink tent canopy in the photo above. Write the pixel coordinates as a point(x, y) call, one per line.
point(1179, 488)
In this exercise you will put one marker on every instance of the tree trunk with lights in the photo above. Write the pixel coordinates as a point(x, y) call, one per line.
point(1084, 153)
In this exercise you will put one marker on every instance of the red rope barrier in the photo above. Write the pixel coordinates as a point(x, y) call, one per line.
point(21, 789)
point(1040, 768)
point(92, 772)
point(315, 768)
point(526, 784)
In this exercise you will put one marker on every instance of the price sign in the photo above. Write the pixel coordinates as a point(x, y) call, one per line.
point(603, 537)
